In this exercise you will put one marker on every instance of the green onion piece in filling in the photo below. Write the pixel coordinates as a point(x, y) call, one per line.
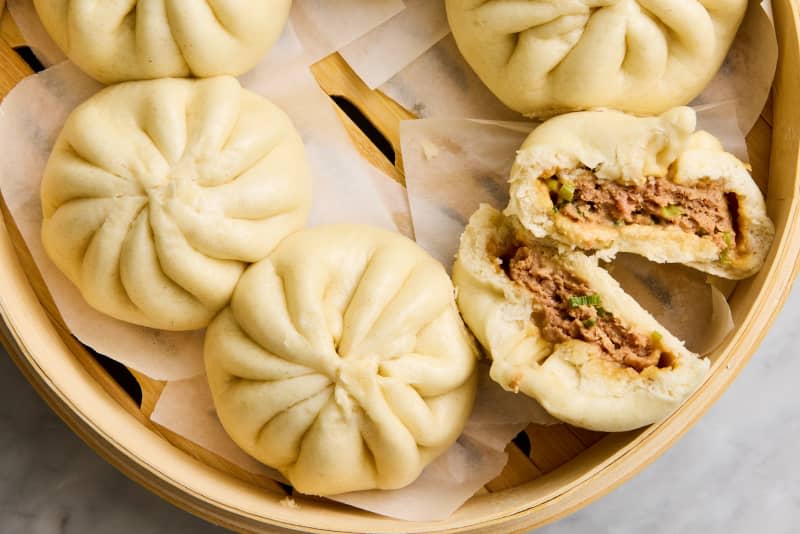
point(601, 311)
point(588, 323)
point(727, 237)
point(656, 337)
point(671, 212)
point(552, 185)
point(725, 256)
point(567, 192)
point(585, 300)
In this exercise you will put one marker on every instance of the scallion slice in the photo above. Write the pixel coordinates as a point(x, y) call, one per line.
point(585, 300)
point(656, 337)
point(553, 185)
point(671, 212)
point(727, 237)
point(567, 192)
point(588, 323)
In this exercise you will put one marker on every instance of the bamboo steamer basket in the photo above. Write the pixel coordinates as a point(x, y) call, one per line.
point(565, 469)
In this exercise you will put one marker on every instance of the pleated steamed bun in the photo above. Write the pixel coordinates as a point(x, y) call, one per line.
point(159, 193)
point(342, 360)
point(544, 57)
point(121, 40)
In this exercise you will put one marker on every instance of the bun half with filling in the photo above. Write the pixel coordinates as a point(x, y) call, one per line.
point(610, 182)
point(560, 329)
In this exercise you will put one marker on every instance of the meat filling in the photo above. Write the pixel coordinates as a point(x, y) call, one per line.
point(704, 209)
point(566, 308)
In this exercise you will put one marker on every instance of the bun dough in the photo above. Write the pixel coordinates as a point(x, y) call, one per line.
point(544, 57)
point(570, 380)
point(157, 195)
point(627, 149)
point(120, 40)
point(342, 360)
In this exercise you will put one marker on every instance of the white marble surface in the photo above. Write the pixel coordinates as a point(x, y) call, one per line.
point(736, 472)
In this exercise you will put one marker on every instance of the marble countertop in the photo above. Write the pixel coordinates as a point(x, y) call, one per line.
point(735, 472)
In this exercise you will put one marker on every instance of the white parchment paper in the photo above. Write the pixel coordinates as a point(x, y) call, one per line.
point(186, 408)
point(449, 87)
point(346, 188)
point(392, 46)
point(745, 77)
point(451, 167)
point(325, 26)
point(680, 298)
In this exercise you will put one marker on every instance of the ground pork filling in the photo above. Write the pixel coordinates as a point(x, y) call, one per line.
point(566, 308)
point(704, 209)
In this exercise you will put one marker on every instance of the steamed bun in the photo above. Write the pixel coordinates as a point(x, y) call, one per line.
point(119, 40)
point(543, 57)
point(584, 373)
point(159, 193)
point(624, 172)
point(342, 360)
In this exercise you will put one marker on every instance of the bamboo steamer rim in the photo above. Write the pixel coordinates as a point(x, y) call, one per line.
point(34, 343)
